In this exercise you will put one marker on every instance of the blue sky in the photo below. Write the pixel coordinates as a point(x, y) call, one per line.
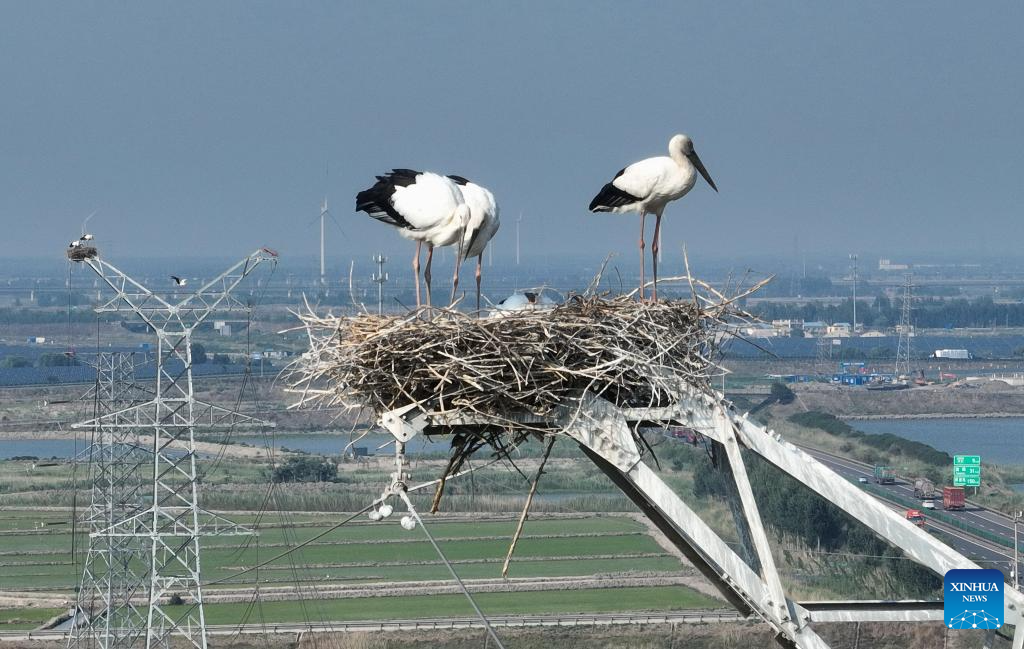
point(202, 128)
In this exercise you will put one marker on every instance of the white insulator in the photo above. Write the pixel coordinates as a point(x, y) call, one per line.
point(408, 522)
point(374, 516)
point(385, 510)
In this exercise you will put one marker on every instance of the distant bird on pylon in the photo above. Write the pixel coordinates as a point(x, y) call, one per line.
point(647, 187)
point(423, 206)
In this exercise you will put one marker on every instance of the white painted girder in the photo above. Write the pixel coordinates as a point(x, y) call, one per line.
point(607, 431)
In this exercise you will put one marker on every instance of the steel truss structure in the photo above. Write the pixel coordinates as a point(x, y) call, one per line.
point(906, 329)
point(106, 613)
point(604, 433)
point(168, 523)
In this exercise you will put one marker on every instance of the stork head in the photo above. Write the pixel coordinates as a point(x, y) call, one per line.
point(681, 143)
point(681, 146)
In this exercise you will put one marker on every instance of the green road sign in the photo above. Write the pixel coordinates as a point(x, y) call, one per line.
point(967, 481)
point(966, 470)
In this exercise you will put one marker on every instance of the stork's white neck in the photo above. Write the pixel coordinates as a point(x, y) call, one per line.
point(677, 156)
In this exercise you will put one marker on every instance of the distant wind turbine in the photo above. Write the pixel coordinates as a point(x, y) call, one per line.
point(86, 221)
point(518, 221)
point(323, 221)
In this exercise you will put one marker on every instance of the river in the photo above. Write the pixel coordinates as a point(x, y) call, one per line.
point(996, 440)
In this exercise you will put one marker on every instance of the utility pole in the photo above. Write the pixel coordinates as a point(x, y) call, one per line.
point(380, 277)
point(853, 258)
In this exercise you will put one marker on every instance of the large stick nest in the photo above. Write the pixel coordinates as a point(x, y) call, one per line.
point(631, 353)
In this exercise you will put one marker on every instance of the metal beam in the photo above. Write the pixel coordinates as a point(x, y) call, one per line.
point(606, 434)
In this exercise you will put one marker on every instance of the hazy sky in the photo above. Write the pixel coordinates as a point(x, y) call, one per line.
point(200, 128)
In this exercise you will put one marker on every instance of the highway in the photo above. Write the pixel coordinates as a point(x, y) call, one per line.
point(698, 616)
point(970, 545)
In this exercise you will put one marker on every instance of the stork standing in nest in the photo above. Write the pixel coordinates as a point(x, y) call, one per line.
point(423, 206)
point(647, 187)
point(483, 225)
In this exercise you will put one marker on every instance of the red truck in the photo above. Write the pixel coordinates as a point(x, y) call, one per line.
point(953, 498)
point(916, 517)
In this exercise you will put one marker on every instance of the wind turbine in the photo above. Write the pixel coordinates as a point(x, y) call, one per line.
point(325, 214)
point(518, 221)
point(86, 221)
point(323, 222)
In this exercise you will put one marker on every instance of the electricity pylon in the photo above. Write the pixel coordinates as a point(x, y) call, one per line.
point(905, 332)
point(106, 611)
point(172, 523)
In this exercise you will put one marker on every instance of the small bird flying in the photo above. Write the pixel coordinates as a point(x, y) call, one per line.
point(648, 186)
point(423, 206)
point(179, 281)
point(483, 225)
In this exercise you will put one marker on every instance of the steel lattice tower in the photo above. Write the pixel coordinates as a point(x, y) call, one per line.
point(903, 346)
point(106, 613)
point(171, 523)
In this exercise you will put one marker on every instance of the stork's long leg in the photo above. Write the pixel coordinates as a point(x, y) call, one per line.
point(479, 261)
point(643, 217)
point(416, 271)
point(655, 247)
point(426, 271)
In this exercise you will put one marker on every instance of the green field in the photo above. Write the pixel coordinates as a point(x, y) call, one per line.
point(596, 600)
point(26, 618)
point(310, 609)
point(40, 559)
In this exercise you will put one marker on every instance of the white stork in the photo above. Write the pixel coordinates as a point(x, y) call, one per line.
point(423, 206)
point(648, 186)
point(179, 281)
point(482, 226)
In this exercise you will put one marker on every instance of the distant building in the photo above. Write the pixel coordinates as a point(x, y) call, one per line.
point(761, 331)
point(839, 330)
point(900, 328)
point(815, 329)
point(788, 327)
point(276, 354)
point(852, 379)
point(885, 264)
point(955, 354)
